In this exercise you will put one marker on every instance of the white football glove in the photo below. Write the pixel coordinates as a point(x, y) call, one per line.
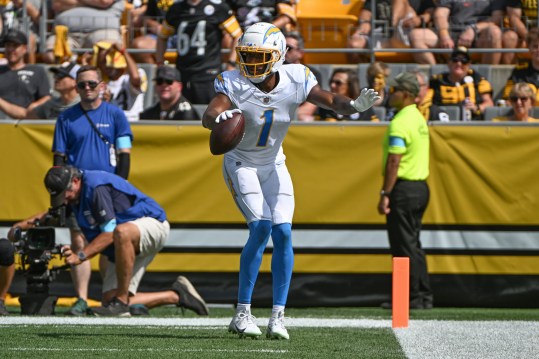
point(226, 115)
point(366, 100)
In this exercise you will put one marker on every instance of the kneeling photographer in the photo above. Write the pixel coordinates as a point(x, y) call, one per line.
point(125, 225)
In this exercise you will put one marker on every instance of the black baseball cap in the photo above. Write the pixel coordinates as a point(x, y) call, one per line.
point(461, 50)
point(168, 73)
point(67, 68)
point(16, 37)
point(57, 181)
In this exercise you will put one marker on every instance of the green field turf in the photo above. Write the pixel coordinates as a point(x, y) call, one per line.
point(314, 332)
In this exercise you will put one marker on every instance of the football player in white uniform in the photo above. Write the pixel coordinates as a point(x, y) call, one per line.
point(268, 94)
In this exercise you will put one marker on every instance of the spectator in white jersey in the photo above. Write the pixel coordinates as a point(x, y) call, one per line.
point(268, 94)
point(126, 82)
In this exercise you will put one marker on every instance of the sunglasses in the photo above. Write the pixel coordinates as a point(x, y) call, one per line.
point(290, 47)
point(162, 81)
point(516, 98)
point(91, 84)
point(460, 59)
point(60, 76)
point(336, 82)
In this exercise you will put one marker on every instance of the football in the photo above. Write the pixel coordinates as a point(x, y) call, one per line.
point(226, 135)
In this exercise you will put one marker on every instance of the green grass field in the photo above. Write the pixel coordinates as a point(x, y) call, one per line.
point(314, 332)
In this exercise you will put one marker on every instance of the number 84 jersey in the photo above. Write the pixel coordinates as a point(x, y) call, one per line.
point(267, 115)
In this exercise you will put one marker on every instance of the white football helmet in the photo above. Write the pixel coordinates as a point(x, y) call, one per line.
point(260, 51)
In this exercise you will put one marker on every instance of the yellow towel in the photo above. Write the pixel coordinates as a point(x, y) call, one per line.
point(114, 59)
point(62, 50)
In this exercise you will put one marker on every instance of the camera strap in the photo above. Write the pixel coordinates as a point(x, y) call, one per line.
point(112, 151)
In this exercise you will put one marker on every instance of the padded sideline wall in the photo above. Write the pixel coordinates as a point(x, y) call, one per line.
point(480, 228)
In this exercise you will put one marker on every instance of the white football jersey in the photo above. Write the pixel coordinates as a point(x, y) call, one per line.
point(128, 98)
point(267, 115)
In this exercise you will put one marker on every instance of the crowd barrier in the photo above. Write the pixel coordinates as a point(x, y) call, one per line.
point(481, 230)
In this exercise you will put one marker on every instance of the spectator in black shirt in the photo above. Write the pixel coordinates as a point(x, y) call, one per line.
point(172, 105)
point(22, 85)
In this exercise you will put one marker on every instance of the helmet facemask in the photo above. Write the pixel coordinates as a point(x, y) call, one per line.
point(255, 63)
point(260, 51)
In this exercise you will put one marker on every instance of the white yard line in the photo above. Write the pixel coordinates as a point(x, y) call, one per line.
point(193, 322)
point(445, 339)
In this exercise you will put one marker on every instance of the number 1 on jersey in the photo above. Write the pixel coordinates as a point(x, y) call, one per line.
point(265, 131)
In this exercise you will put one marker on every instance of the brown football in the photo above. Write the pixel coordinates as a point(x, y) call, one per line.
point(226, 135)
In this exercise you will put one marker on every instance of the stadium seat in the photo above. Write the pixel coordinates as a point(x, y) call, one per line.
point(200, 109)
point(494, 111)
point(454, 112)
point(380, 112)
point(149, 98)
point(325, 73)
point(327, 24)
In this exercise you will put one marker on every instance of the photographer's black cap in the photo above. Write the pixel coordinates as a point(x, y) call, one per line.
point(57, 181)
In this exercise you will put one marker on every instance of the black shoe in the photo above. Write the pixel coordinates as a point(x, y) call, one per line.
point(189, 297)
point(115, 308)
point(3, 309)
point(139, 309)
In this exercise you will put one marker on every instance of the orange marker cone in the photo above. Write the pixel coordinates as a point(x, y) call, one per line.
point(401, 292)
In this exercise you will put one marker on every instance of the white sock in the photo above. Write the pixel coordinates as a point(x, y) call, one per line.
point(243, 308)
point(276, 309)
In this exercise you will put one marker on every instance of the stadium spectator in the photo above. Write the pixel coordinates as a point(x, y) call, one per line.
point(405, 193)
point(280, 13)
point(81, 24)
point(527, 71)
point(171, 105)
point(419, 15)
point(124, 224)
point(387, 14)
point(92, 135)
point(151, 26)
point(430, 111)
point(255, 171)
point(199, 26)
point(126, 83)
point(345, 82)
point(294, 55)
point(22, 85)
point(65, 84)
point(462, 86)
point(522, 99)
point(7, 271)
point(377, 76)
point(461, 23)
point(522, 16)
point(12, 17)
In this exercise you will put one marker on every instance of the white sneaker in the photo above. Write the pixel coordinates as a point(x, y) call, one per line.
point(244, 325)
point(276, 329)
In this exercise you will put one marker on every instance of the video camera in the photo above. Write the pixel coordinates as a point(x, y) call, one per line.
point(36, 248)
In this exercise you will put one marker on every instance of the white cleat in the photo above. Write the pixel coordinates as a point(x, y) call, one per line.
point(244, 325)
point(276, 329)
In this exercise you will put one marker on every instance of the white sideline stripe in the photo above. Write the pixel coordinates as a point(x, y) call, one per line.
point(343, 239)
point(194, 322)
point(426, 339)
